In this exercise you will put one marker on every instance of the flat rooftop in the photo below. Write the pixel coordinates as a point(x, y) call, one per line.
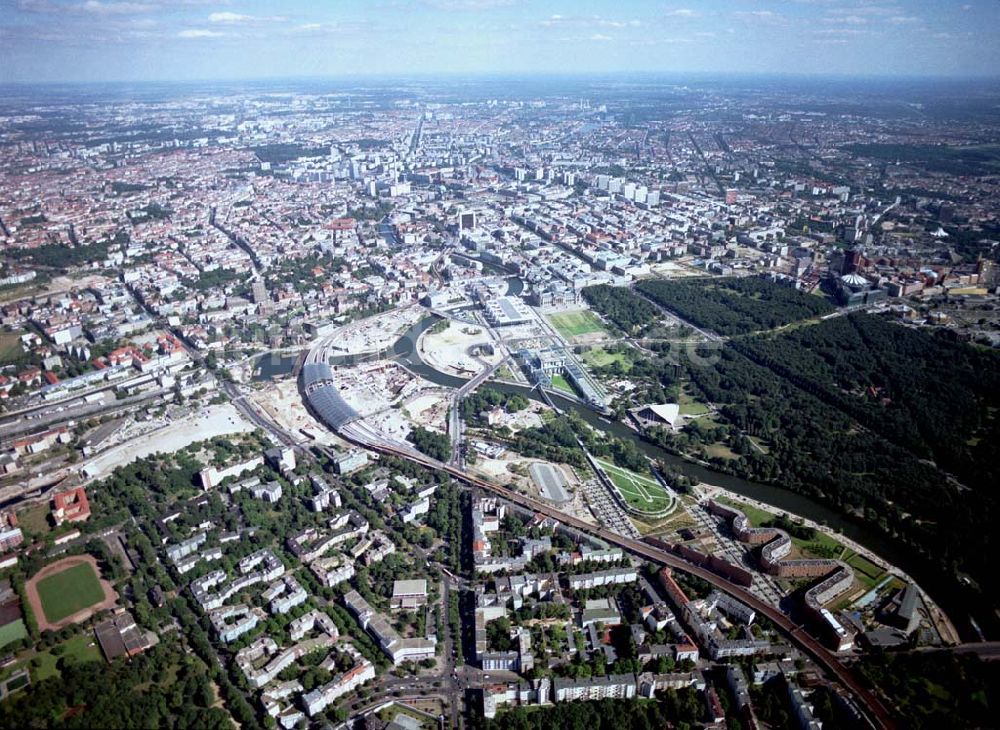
point(409, 588)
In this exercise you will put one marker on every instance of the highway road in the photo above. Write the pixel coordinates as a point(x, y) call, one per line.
point(455, 428)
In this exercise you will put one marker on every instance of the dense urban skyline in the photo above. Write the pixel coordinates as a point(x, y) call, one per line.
point(98, 40)
point(499, 364)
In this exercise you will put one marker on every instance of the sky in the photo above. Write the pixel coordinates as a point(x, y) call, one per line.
point(176, 40)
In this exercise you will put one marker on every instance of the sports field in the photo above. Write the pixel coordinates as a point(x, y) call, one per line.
point(69, 591)
point(641, 493)
point(572, 324)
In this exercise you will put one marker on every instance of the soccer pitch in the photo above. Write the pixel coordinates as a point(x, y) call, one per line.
point(571, 324)
point(642, 494)
point(69, 591)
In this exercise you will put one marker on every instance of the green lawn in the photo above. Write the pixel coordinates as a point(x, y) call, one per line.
point(864, 570)
point(69, 591)
point(12, 632)
point(571, 324)
point(818, 547)
point(598, 357)
point(720, 451)
point(504, 373)
point(691, 406)
point(80, 648)
point(641, 493)
point(35, 520)
point(10, 346)
point(560, 383)
point(821, 545)
point(694, 408)
point(755, 515)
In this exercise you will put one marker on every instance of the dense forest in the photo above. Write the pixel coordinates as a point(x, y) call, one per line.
point(163, 688)
point(821, 451)
point(936, 691)
point(681, 709)
point(216, 278)
point(433, 443)
point(281, 152)
point(484, 399)
point(948, 159)
point(59, 255)
point(632, 314)
point(734, 306)
point(928, 393)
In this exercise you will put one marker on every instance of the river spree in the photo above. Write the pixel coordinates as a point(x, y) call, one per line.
point(944, 592)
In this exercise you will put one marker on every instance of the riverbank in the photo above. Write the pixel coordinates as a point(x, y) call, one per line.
point(942, 624)
point(952, 603)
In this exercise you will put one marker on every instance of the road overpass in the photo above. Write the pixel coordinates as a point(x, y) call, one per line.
point(455, 409)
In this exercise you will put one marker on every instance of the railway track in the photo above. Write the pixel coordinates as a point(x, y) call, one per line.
point(878, 715)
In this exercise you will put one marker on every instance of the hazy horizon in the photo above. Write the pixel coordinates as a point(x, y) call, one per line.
point(95, 41)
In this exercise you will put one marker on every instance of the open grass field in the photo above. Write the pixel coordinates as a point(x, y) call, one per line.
point(12, 632)
point(864, 570)
point(720, 451)
point(598, 357)
point(69, 591)
point(573, 324)
point(560, 383)
point(42, 665)
point(690, 404)
point(756, 515)
point(10, 346)
point(820, 546)
point(642, 493)
point(35, 520)
point(82, 648)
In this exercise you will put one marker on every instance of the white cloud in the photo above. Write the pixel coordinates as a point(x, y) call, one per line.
point(649, 42)
point(200, 33)
point(587, 21)
point(761, 17)
point(847, 20)
point(89, 7)
point(327, 29)
point(682, 13)
point(116, 8)
point(469, 4)
point(843, 32)
point(227, 18)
